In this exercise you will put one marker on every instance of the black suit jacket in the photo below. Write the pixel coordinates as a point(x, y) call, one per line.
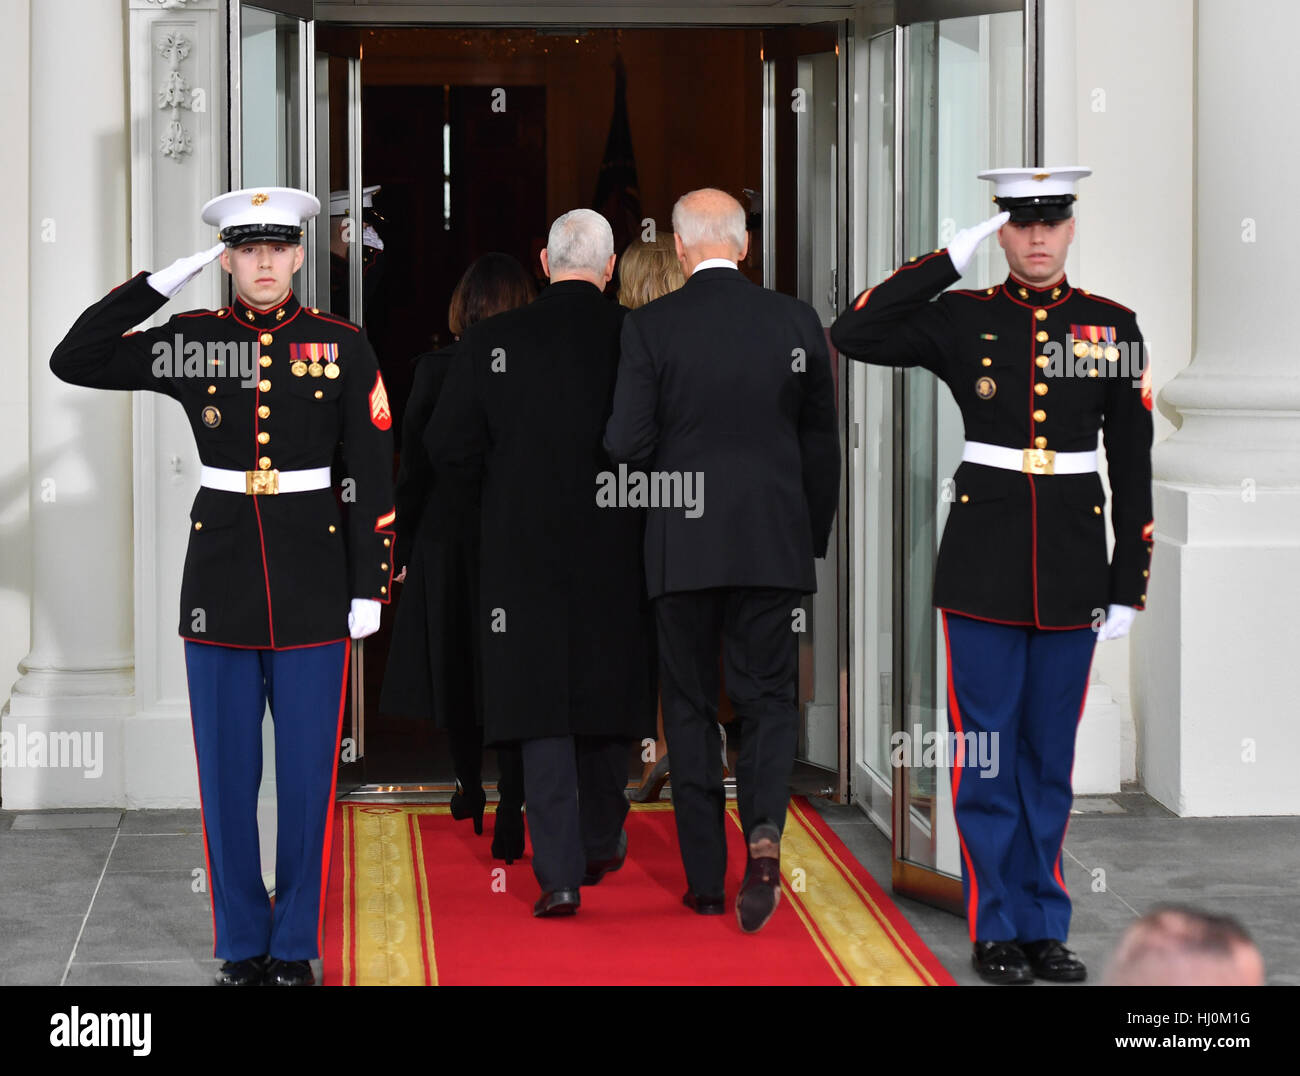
point(733, 382)
point(564, 623)
point(1019, 548)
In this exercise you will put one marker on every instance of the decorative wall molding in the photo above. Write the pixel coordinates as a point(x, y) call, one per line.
point(174, 94)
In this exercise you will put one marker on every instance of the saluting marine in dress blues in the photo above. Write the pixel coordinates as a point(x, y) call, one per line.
point(274, 581)
point(1038, 369)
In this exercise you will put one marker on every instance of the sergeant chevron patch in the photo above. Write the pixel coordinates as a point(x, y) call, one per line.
point(380, 414)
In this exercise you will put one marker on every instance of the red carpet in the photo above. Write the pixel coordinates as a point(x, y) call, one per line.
point(415, 898)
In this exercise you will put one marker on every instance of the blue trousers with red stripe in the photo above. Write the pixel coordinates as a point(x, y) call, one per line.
point(1020, 690)
point(229, 691)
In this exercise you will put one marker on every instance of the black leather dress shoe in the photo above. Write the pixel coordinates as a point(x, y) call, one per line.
point(704, 905)
point(1001, 962)
point(248, 972)
point(759, 894)
point(557, 902)
point(598, 868)
point(1050, 959)
point(289, 973)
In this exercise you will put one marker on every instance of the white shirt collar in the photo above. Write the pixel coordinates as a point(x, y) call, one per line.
point(715, 263)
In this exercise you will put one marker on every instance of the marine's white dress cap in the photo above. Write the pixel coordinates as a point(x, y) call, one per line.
point(261, 215)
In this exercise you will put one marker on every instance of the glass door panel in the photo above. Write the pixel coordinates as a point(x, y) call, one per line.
point(871, 391)
point(964, 109)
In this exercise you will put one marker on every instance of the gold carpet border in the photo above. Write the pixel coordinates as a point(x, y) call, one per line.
point(883, 923)
point(388, 935)
point(858, 942)
point(833, 912)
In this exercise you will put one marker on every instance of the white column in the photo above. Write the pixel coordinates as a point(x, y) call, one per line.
point(1217, 648)
point(77, 681)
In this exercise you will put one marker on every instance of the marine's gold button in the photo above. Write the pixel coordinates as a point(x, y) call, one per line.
point(265, 360)
point(1041, 362)
point(1143, 598)
point(264, 384)
point(1040, 415)
point(1041, 315)
point(263, 438)
point(263, 412)
point(986, 361)
point(1145, 573)
point(384, 567)
point(331, 528)
point(198, 526)
point(990, 291)
point(266, 338)
point(212, 389)
point(384, 590)
point(318, 394)
point(1040, 389)
point(1096, 508)
point(1041, 335)
point(265, 463)
point(386, 541)
point(965, 497)
point(1040, 442)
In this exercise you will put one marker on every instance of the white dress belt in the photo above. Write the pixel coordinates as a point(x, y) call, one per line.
point(1030, 460)
point(284, 482)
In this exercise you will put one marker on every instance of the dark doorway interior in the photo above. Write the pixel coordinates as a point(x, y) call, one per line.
point(479, 138)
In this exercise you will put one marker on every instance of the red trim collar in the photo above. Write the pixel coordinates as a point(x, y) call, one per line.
point(262, 319)
point(1034, 296)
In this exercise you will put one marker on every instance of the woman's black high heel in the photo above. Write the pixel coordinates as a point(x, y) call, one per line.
point(464, 805)
point(508, 832)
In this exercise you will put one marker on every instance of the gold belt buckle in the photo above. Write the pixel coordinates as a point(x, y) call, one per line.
point(261, 482)
point(1039, 461)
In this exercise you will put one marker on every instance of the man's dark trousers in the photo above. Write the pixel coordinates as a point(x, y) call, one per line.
point(575, 789)
point(755, 628)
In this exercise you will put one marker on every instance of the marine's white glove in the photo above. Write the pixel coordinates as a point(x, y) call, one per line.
point(170, 280)
point(364, 618)
point(1119, 618)
point(963, 245)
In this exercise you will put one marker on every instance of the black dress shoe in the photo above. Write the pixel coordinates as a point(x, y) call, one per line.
point(759, 894)
point(468, 805)
point(760, 891)
point(1001, 962)
point(289, 973)
point(704, 905)
point(598, 868)
point(1050, 959)
point(248, 972)
point(557, 902)
point(508, 832)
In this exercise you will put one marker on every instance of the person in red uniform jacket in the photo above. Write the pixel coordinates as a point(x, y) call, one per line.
point(274, 582)
point(1039, 368)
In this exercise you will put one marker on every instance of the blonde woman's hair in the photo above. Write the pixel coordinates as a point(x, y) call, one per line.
point(649, 270)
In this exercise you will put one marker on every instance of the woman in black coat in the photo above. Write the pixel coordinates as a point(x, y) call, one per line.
point(434, 666)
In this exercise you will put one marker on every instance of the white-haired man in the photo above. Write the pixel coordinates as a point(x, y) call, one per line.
point(731, 384)
point(567, 636)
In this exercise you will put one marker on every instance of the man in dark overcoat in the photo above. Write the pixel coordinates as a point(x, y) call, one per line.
point(565, 625)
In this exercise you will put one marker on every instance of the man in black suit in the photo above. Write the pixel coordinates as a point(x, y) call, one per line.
point(729, 386)
point(567, 636)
